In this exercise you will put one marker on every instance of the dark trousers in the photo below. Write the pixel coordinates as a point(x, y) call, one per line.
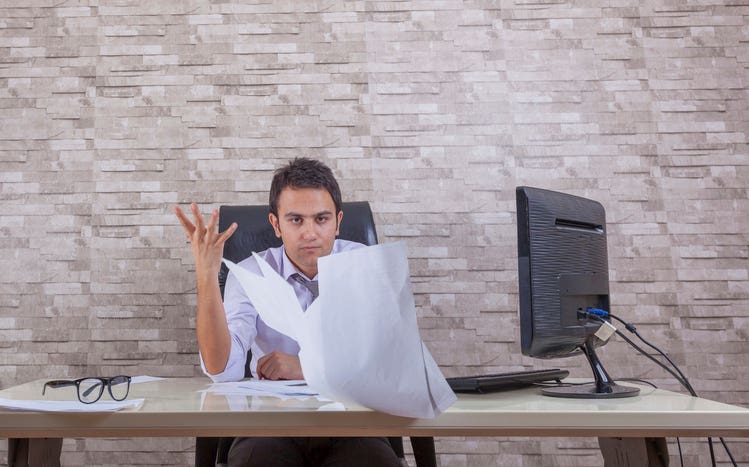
point(312, 452)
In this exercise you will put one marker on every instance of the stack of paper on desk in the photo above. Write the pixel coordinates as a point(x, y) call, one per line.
point(35, 405)
point(359, 339)
point(285, 389)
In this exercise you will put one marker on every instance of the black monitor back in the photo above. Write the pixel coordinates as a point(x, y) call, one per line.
point(562, 268)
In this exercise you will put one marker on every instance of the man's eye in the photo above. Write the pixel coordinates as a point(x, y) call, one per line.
point(322, 219)
point(296, 220)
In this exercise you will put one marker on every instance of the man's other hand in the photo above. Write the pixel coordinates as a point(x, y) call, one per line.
point(279, 365)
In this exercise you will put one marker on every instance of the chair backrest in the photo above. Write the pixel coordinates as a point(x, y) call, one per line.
point(254, 232)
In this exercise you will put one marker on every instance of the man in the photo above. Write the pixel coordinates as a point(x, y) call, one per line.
point(305, 212)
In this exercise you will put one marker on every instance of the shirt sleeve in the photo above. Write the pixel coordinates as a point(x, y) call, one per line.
point(241, 317)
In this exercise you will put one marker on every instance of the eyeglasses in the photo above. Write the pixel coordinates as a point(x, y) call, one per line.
point(91, 389)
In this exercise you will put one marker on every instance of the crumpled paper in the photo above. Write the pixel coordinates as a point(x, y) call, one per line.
point(359, 340)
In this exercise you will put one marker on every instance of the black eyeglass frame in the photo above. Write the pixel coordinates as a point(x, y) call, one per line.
point(61, 383)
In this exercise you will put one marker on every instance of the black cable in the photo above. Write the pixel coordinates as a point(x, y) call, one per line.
point(559, 384)
point(642, 351)
point(728, 451)
point(650, 383)
point(683, 383)
point(631, 328)
point(598, 314)
point(638, 380)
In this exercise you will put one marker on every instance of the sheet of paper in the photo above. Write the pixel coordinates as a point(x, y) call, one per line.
point(77, 406)
point(69, 406)
point(286, 387)
point(283, 389)
point(275, 297)
point(145, 379)
point(359, 339)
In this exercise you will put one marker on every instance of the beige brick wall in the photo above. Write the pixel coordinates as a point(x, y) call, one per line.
point(113, 111)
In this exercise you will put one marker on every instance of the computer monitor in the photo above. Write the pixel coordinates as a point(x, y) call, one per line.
point(563, 271)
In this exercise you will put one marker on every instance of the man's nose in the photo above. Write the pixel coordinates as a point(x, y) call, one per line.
point(308, 231)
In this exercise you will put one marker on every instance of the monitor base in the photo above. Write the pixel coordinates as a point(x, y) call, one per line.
point(591, 391)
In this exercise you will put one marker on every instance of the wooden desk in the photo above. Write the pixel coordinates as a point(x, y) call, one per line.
point(176, 407)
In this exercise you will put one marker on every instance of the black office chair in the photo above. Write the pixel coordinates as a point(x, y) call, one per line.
point(254, 233)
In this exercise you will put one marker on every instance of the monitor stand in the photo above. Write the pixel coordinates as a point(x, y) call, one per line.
point(604, 387)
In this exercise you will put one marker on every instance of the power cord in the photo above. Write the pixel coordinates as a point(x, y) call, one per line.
point(598, 314)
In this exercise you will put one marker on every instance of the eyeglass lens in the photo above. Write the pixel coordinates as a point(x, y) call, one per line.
point(90, 389)
point(119, 386)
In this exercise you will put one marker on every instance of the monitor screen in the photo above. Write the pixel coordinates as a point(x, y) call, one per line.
point(562, 272)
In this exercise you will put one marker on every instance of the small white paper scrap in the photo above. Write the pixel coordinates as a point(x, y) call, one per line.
point(145, 379)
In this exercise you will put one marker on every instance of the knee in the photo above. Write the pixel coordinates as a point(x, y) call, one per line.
point(365, 452)
point(261, 452)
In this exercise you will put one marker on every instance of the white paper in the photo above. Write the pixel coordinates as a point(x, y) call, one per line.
point(69, 406)
point(359, 340)
point(78, 406)
point(270, 295)
point(283, 389)
point(145, 379)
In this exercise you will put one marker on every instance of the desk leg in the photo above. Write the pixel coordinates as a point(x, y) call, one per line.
point(625, 452)
point(34, 452)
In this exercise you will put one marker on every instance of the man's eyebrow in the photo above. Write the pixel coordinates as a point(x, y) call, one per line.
point(296, 214)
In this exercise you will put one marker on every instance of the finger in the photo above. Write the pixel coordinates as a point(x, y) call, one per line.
point(211, 227)
point(261, 363)
point(268, 372)
point(198, 217)
point(189, 228)
point(227, 233)
point(268, 366)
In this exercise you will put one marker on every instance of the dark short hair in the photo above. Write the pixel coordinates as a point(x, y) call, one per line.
point(303, 172)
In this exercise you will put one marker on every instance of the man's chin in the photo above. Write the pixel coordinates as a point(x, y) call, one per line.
point(308, 259)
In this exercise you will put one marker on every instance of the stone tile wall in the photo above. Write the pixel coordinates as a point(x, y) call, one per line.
point(112, 111)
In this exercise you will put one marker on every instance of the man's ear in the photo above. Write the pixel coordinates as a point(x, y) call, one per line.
point(274, 222)
point(338, 223)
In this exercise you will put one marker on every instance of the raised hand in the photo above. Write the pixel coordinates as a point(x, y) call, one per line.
point(207, 244)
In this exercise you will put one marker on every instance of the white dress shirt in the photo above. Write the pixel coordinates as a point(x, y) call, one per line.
point(246, 329)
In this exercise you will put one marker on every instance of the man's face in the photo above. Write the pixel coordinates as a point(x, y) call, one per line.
point(307, 224)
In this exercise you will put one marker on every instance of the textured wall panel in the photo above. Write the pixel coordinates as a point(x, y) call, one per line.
point(113, 111)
